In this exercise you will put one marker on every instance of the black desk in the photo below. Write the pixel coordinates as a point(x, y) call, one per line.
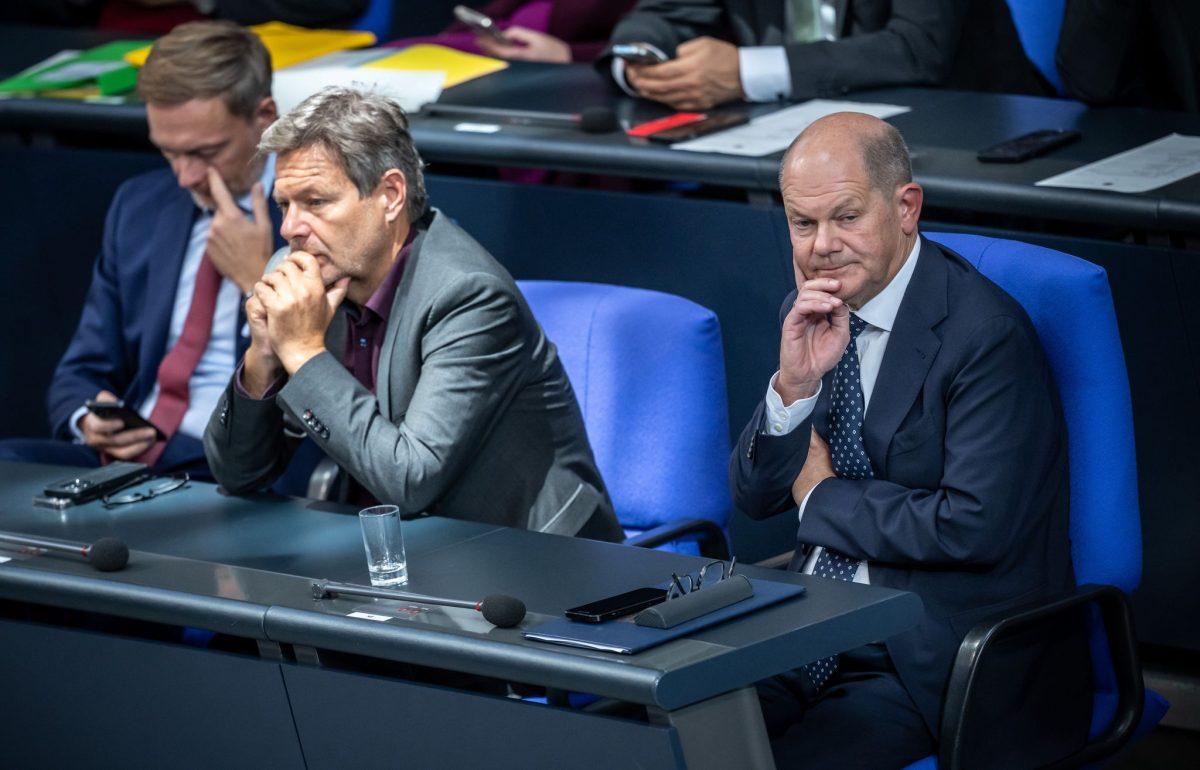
point(242, 567)
point(944, 130)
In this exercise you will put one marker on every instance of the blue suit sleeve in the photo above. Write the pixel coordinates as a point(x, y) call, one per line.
point(1001, 447)
point(96, 358)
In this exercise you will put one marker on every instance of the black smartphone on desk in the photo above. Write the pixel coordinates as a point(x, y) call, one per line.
point(117, 410)
point(617, 606)
point(1028, 146)
point(710, 125)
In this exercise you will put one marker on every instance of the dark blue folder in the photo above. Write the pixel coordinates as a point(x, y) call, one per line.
point(624, 636)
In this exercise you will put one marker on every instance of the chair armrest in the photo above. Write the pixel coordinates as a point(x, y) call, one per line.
point(323, 482)
point(712, 538)
point(1118, 624)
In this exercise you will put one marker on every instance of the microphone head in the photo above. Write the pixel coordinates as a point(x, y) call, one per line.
point(108, 554)
point(598, 120)
point(502, 611)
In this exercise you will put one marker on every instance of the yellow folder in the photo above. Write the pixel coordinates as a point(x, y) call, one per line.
point(290, 45)
point(458, 66)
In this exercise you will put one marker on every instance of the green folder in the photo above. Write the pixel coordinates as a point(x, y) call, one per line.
point(104, 65)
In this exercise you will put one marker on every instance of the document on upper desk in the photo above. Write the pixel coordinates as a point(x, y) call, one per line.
point(1157, 164)
point(773, 133)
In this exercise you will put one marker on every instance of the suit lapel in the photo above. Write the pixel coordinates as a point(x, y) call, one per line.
point(383, 390)
point(911, 348)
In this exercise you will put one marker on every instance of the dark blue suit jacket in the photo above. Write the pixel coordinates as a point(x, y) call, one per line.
point(122, 333)
point(968, 507)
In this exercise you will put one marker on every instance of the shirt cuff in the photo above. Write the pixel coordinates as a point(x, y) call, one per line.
point(765, 74)
point(804, 504)
point(618, 73)
point(783, 419)
point(270, 392)
point(73, 424)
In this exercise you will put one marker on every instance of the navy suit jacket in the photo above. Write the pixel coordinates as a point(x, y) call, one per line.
point(968, 505)
point(122, 333)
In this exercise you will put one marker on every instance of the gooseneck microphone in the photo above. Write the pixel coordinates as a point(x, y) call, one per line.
point(108, 554)
point(499, 610)
point(593, 120)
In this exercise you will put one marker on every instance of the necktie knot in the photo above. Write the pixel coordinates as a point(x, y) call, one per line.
point(856, 326)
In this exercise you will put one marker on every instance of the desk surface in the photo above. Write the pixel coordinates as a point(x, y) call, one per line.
point(944, 130)
point(244, 566)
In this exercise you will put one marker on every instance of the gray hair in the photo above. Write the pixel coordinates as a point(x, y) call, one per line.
point(365, 132)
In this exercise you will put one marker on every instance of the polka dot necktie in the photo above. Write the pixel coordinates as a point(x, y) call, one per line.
point(850, 461)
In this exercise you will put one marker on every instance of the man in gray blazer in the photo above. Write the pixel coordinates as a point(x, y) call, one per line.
point(763, 50)
point(398, 344)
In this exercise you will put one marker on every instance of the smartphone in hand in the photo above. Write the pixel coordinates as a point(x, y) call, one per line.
point(117, 410)
point(481, 24)
point(639, 53)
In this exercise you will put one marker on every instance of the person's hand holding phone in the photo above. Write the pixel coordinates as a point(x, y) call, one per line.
point(526, 45)
point(110, 435)
point(704, 73)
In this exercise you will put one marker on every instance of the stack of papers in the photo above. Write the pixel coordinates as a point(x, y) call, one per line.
point(456, 66)
point(413, 76)
point(290, 45)
point(773, 133)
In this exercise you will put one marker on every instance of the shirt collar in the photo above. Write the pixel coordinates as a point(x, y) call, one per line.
point(381, 300)
point(880, 311)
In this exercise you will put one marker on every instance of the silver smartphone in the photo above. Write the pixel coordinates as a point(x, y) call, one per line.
point(481, 23)
point(639, 53)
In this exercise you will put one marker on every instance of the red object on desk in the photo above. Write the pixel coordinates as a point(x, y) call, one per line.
point(662, 124)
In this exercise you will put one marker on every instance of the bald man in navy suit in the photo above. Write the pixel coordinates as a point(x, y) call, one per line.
point(914, 428)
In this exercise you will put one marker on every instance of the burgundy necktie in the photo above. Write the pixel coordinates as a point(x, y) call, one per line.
point(175, 371)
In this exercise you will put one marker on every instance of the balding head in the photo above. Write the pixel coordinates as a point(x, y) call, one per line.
point(852, 207)
point(881, 148)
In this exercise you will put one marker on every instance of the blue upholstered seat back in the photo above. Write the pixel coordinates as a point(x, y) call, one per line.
point(377, 18)
point(1071, 306)
point(649, 373)
point(1069, 301)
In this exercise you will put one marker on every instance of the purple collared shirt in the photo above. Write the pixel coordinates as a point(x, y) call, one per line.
point(367, 326)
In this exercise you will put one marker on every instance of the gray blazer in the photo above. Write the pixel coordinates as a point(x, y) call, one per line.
point(473, 418)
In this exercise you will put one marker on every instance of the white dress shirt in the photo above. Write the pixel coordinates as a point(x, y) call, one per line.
point(880, 315)
point(215, 367)
point(763, 70)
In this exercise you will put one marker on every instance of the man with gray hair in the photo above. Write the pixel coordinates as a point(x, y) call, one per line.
point(398, 344)
point(914, 428)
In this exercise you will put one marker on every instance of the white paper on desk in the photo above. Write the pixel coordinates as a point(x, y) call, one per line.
point(355, 57)
point(1144, 168)
point(772, 133)
point(412, 89)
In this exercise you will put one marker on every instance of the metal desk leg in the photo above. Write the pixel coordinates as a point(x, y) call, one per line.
point(722, 732)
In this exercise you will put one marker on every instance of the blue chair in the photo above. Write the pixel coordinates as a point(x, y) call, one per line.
point(378, 19)
point(649, 373)
point(1069, 302)
point(1038, 23)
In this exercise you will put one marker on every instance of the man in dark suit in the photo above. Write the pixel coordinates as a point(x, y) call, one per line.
point(398, 344)
point(163, 327)
point(1118, 52)
point(914, 423)
point(763, 50)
